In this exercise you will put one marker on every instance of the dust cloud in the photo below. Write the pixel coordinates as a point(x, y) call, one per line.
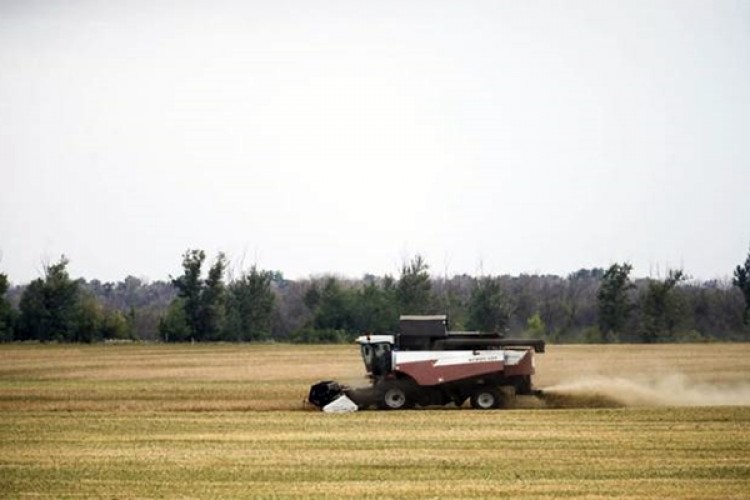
point(669, 390)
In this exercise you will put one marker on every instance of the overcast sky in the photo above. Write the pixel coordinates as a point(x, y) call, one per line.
point(344, 136)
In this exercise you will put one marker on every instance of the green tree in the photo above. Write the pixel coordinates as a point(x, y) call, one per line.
point(212, 311)
point(203, 301)
point(173, 326)
point(333, 313)
point(374, 307)
point(251, 305)
point(660, 308)
point(88, 320)
point(189, 288)
point(742, 281)
point(612, 297)
point(414, 291)
point(535, 327)
point(309, 335)
point(7, 319)
point(311, 297)
point(115, 325)
point(34, 317)
point(334, 308)
point(48, 306)
point(488, 309)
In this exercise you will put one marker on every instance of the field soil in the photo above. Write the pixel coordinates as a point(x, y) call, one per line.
point(202, 421)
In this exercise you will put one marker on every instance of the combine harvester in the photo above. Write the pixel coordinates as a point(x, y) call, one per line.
point(428, 365)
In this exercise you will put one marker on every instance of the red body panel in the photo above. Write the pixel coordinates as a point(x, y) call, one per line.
point(523, 367)
point(432, 373)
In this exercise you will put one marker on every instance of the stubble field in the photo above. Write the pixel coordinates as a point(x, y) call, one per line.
point(207, 421)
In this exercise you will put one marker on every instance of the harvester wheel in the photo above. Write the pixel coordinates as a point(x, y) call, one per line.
point(486, 398)
point(394, 396)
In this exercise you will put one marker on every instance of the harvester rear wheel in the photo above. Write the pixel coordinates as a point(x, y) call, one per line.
point(395, 396)
point(486, 398)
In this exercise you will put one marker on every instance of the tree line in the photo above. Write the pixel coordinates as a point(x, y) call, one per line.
point(211, 302)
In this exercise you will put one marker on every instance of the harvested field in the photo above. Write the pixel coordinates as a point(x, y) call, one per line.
point(228, 421)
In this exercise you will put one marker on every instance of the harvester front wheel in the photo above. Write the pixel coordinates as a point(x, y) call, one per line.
point(394, 396)
point(486, 398)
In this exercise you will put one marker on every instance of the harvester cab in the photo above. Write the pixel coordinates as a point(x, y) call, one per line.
point(377, 354)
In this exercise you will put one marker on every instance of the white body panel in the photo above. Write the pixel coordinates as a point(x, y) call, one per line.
point(447, 358)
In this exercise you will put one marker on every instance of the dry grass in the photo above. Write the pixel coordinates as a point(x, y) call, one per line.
point(277, 377)
point(698, 453)
point(705, 363)
point(168, 377)
point(153, 421)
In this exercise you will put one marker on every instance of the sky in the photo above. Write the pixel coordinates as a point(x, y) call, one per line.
point(310, 137)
